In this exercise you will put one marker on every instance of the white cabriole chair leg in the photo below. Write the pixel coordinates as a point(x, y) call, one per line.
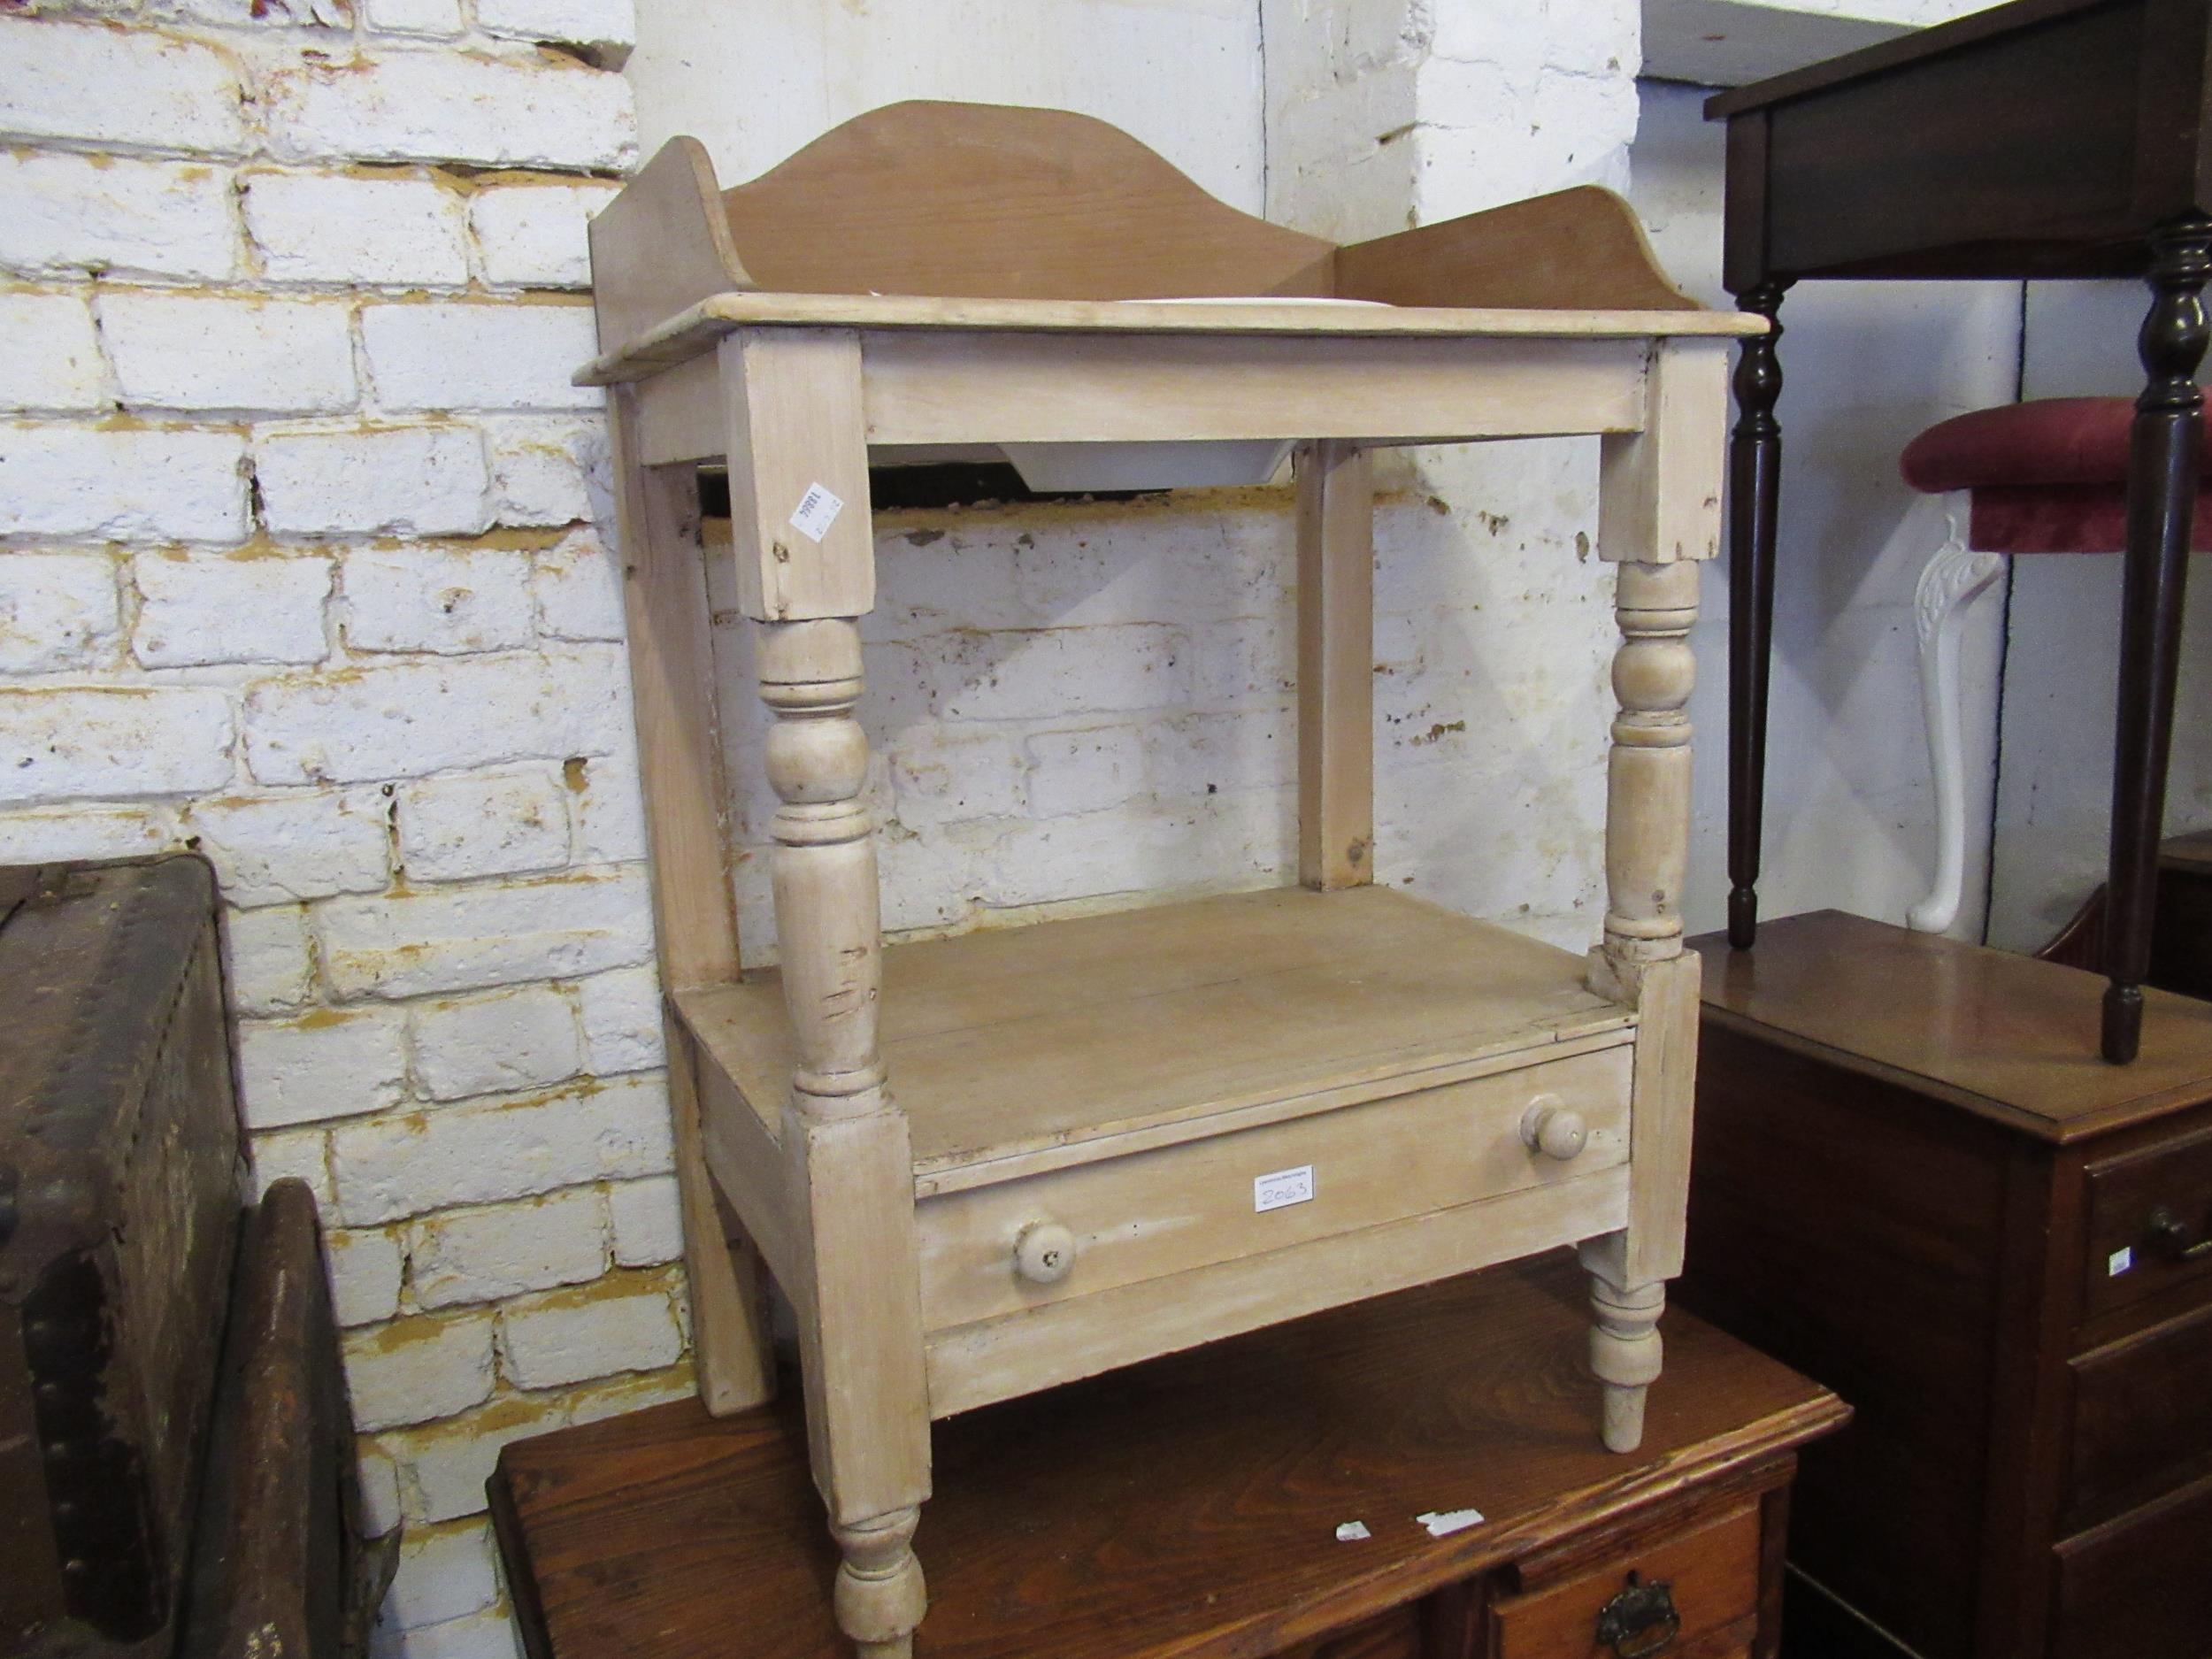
point(1954, 578)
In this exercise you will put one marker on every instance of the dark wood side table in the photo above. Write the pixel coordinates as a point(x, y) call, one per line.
point(1189, 1506)
point(2046, 138)
point(1915, 1180)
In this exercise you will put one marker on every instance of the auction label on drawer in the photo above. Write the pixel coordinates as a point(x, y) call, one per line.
point(1283, 1188)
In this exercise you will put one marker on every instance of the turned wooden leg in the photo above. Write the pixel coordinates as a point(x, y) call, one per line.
point(1659, 519)
point(1755, 493)
point(2162, 506)
point(859, 1308)
point(1624, 1346)
point(1648, 773)
point(880, 1597)
point(1954, 578)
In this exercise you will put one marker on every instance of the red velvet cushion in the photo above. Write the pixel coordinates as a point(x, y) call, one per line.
point(2050, 441)
point(2048, 476)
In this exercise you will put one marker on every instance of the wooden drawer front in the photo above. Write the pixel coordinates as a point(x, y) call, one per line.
point(1392, 1635)
point(2136, 1588)
point(2125, 1194)
point(1712, 1575)
point(2142, 1408)
point(1177, 1207)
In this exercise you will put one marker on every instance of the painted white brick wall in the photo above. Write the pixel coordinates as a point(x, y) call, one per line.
point(424, 805)
point(298, 567)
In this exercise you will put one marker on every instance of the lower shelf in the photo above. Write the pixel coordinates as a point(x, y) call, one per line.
point(1028, 1048)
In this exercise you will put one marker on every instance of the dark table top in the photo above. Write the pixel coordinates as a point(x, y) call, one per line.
point(1187, 1506)
point(2006, 1037)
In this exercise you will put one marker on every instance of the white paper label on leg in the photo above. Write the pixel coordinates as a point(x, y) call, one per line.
point(2119, 1261)
point(1284, 1187)
point(816, 510)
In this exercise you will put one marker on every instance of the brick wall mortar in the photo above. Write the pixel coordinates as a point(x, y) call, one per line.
point(288, 302)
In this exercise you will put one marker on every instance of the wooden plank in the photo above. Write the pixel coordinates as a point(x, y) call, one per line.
point(1152, 1214)
point(1336, 666)
point(2002, 1036)
point(1906, 48)
point(929, 197)
point(1013, 389)
point(793, 402)
point(743, 1147)
point(662, 245)
point(679, 744)
point(679, 415)
point(682, 336)
point(1663, 1101)
point(1659, 488)
point(695, 912)
point(859, 1305)
point(1010, 388)
point(1187, 1509)
point(1004, 1044)
point(998, 1359)
point(1576, 249)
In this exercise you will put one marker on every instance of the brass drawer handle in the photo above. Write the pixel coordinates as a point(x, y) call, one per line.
point(1640, 1621)
point(2170, 1233)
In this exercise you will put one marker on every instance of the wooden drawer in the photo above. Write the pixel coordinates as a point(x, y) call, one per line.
point(1176, 1208)
point(2128, 1260)
point(1712, 1577)
point(1392, 1635)
point(2135, 1588)
point(2142, 1409)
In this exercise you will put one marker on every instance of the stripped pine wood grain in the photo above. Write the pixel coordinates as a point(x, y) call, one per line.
point(982, 1166)
point(1014, 1042)
point(1336, 666)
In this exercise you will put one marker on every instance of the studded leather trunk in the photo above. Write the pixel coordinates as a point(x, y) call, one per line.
point(119, 1192)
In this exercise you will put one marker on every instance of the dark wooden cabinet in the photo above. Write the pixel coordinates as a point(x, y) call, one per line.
point(1188, 1507)
point(1914, 1180)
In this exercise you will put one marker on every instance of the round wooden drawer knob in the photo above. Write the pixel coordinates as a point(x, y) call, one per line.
point(1555, 1131)
point(1045, 1253)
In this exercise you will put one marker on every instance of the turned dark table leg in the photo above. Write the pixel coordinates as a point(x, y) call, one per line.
point(1754, 482)
point(2162, 504)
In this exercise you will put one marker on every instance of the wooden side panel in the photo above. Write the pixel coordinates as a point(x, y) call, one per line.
point(859, 1308)
point(1659, 497)
point(798, 473)
point(1854, 1231)
point(695, 915)
point(1573, 250)
point(1659, 1114)
point(991, 201)
point(661, 246)
point(1009, 387)
point(672, 693)
point(1336, 666)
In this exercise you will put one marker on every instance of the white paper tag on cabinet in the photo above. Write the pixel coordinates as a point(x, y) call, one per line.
point(816, 510)
point(1282, 1189)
